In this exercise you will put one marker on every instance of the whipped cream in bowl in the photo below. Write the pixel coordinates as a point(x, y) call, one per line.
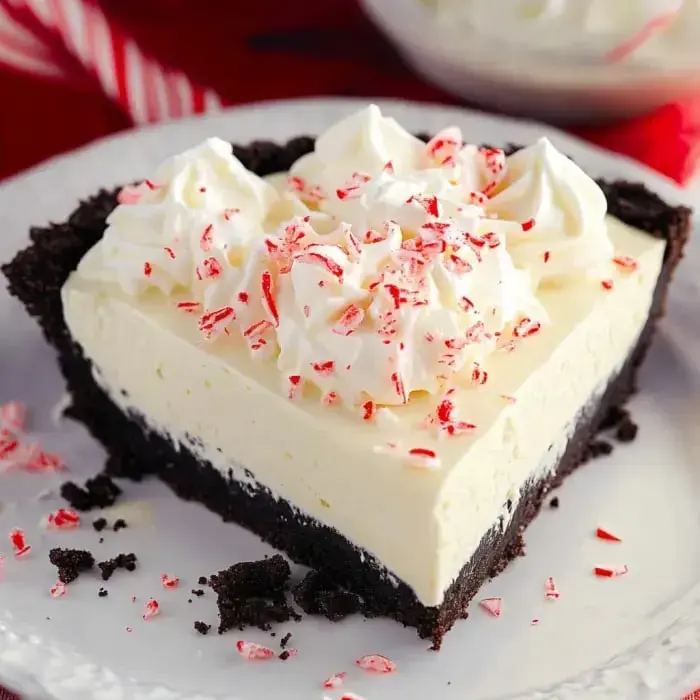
point(569, 61)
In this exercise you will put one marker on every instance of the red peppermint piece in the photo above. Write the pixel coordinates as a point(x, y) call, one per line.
point(243, 297)
point(430, 203)
point(13, 415)
point(335, 681)
point(605, 535)
point(40, 460)
point(209, 268)
point(325, 369)
point(58, 589)
point(479, 376)
point(352, 188)
point(330, 399)
point(147, 269)
point(607, 285)
point(214, 321)
point(150, 184)
point(294, 384)
point(445, 145)
point(370, 410)
point(251, 651)
point(604, 572)
point(528, 225)
point(376, 663)
point(296, 183)
point(257, 329)
point(168, 582)
point(206, 242)
point(169, 252)
point(189, 307)
point(423, 457)
point(152, 609)
point(312, 258)
point(546, 256)
point(535, 621)
point(526, 327)
point(230, 212)
point(626, 263)
point(351, 696)
point(550, 589)
point(17, 539)
point(692, 695)
point(9, 443)
point(493, 606)
point(399, 388)
point(388, 168)
point(63, 519)
point(268, 297)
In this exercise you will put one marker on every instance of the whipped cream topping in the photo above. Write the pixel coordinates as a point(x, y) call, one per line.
point(387, 267)
point(632, 31)
point(569, 235)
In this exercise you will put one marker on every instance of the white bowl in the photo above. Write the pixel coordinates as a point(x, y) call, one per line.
point(560, 89)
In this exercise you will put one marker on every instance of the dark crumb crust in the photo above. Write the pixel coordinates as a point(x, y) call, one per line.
point(37, 274)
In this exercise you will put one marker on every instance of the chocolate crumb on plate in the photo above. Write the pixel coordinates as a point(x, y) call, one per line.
point(202, 581)
point(554, 503)
point(318, 595)
point(71, 562)
point(252, 594)
point(198, 592)
point(119, 524)
point(202, 627)
point(285, 640)
point(599, 448)
point(103, 593)
point(626, 430)
point(99, 524)
point(121, 561)
point(100, 492)
point(285, 655)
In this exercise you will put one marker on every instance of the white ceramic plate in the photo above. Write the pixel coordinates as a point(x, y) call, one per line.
point(636, 637)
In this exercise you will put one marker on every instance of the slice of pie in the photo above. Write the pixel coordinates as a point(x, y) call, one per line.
point(380, 359)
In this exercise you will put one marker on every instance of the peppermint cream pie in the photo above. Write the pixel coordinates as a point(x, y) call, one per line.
point(379, 354)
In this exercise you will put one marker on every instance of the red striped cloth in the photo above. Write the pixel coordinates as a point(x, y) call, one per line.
point(161, 59)
point(73, 40)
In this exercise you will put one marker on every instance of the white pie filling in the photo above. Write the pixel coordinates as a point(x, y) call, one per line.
point(422, 525)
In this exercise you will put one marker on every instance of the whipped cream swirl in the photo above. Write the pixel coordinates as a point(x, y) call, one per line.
point(387, 267)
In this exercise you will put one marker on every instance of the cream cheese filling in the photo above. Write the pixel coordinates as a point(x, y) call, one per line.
point(422, 525)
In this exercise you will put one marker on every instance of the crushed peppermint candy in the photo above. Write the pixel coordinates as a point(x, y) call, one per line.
point(169, 582)
point(58, 590)
point(626, 263)
point(335, 681)
point(493, 606)
point(607, 285)
point(351, 696)
point(604, 572)
point(13, 415)
point(423, 457)
point(63, 519)
point(251, 651)
point(376, 663)
point(550, 590)
point(152, 609)
point(526, 327)
point(602, 534)
point(189, 307)
point(19, 543)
